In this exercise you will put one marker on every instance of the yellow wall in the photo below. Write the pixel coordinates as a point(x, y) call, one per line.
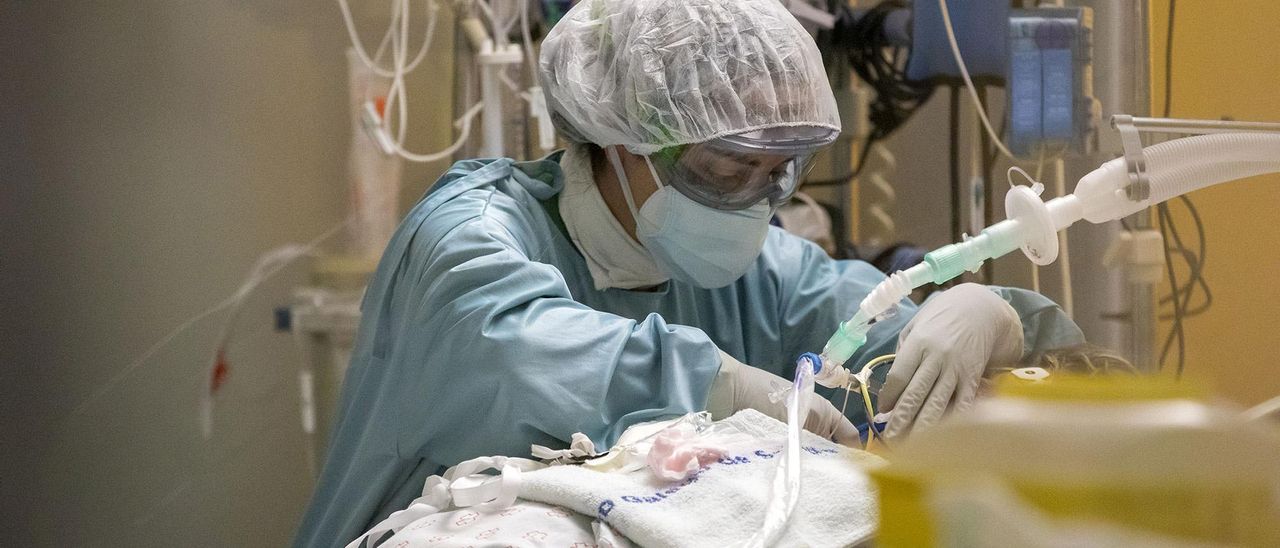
point(1226, 63)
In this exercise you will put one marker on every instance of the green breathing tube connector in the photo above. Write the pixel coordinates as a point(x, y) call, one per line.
point(850, 336)
point(939, 266)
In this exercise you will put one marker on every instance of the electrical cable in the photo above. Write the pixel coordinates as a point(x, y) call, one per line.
point(863, 156)
point(1180, 296)
point(1180, 305)
point(1168, 59)
point(1195, 265)
point(1195, 262)
point(1176, 332)
point(968, 82)
point(882, 65)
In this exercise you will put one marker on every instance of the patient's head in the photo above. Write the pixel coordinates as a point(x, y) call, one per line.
point(1082, 360)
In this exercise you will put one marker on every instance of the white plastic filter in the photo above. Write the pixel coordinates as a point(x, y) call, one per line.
point(1040, 243)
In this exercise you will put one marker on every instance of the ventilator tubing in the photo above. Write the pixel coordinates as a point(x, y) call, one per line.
point(1174, 168)
point(939, 266)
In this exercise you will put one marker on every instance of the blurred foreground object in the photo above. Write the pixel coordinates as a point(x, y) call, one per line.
point(1133, 461)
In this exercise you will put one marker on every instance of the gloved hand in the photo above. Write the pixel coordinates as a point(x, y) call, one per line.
point(738, 386)
point(944, 351)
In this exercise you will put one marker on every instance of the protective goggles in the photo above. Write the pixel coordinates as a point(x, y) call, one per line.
point(739, 171)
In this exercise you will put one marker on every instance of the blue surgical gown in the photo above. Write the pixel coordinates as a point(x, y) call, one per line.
point(482, 333)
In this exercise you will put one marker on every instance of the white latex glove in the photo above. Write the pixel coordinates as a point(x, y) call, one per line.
point(944, 351)
point(739, 386)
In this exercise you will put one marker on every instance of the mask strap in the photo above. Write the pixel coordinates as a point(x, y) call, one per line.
point(656, 179)
point(612, 153)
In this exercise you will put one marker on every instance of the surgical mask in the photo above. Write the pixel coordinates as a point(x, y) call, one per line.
point(691, 242)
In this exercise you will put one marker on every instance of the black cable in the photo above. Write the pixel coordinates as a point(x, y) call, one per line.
point(1162, 210)
point(882, 65)
point(1180, 295)
point(1176, 332)
point(1185, 291)
point(1195, 264)
point(1200, 259)
point(863, 156)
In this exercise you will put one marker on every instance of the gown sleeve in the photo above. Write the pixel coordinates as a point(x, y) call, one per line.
point(491, 353)
point(1045, 325)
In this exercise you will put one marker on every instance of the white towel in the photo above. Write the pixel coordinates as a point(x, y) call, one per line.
point(524, 523)
point(724, 503)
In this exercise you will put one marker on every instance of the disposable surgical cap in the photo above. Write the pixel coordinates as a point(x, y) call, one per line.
point(651, 74)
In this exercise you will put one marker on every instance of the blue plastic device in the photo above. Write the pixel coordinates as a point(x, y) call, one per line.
point(980, 31)
point(813, 359)
point(1051, 101)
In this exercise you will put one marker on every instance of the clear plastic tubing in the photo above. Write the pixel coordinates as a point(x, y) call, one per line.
point(784, 492)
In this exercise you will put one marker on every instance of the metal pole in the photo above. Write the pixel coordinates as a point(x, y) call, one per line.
point(1176, 125)
point(491, 95)
point(1142, 316)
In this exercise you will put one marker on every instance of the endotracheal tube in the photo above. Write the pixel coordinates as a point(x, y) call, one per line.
point(1174, 168)
point(784, 491)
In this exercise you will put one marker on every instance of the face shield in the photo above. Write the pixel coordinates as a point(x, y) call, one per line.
point(738, 171)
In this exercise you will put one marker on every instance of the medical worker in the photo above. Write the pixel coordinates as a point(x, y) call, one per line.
point(634, 276)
